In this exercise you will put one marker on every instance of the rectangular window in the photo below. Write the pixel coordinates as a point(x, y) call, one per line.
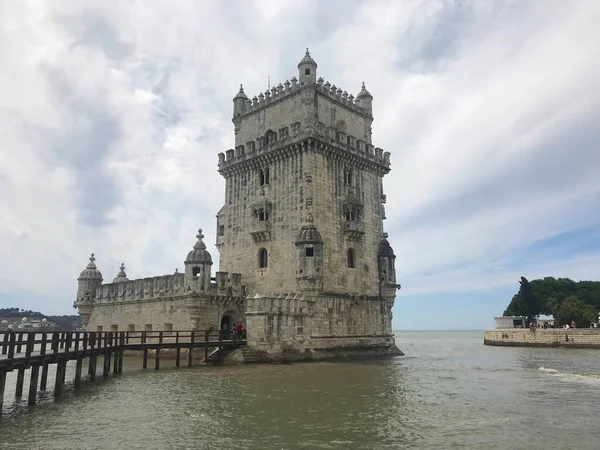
point(114, 328)
point(131, 327)
point(168, 327)
point(221, 230)
point(99, 328)
point(148, 327)
point(310, 252)
point(306, 71)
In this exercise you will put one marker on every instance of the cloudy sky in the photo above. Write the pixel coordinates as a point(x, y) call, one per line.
point(112, 114)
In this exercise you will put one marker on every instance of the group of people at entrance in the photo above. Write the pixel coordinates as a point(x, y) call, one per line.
point(237, 331)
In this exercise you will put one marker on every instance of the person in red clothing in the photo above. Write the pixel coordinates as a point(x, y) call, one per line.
point(239, 328)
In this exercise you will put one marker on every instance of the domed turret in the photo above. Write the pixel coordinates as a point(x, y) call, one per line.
point(309, 234)
point(387, 264)
point(89, 280)
point(239, 102)
point(364, 99)
point(307, 69)
point(385, 249)
point(197, 266)
point(309, 270)
point(121, 276)
point(199, 254)
point(91, 272)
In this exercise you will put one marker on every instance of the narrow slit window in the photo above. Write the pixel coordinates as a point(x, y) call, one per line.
point(263, 258)
point(350, 258)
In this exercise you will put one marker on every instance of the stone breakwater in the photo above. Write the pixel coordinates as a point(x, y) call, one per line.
point(573, 338)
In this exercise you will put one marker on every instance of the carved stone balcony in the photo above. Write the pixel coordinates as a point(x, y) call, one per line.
point(353, 229)
point(261, 231)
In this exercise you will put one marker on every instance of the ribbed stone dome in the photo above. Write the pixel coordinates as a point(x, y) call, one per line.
point(307, 60)
point(199, 254)
point(363, 93)
point(121, 276)
point(241, 93)
point(91, 272)
point(309, 235)
point(385, 249)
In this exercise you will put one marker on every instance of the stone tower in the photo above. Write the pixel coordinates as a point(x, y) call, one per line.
point(303, 154)
point(303, 216)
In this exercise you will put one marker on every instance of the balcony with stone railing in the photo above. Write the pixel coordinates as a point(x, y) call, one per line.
point(353, 229)
point(261, 231)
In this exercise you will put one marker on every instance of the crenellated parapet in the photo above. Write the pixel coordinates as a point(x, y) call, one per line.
point(141, 289)
point(284, 91)
point(165, 286)
point(280, 143)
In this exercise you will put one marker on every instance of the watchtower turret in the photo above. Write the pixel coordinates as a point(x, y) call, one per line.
point(90, 279)
point(197, 266)
point(364, 99)
point(307, 70)
point(309, 272)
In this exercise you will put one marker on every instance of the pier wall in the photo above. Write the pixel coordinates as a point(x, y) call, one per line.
point(574, 338)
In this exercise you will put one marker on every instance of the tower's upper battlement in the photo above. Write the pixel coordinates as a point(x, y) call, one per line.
point(307, 72)
point(283, 91)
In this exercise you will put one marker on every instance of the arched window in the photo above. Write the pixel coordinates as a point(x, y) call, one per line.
point(350, 258)
point(261, 178)
point(349, 177)
point(263, 258)
point(267, 175)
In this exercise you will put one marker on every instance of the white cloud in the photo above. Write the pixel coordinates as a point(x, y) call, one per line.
point(112, 115)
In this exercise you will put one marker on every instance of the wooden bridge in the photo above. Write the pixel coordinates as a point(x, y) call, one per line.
point(36, 350)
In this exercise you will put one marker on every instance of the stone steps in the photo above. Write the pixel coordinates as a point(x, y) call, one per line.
point(249, 356)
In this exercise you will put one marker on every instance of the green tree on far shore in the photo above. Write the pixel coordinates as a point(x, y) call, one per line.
point(540, 296)
point(571, 309)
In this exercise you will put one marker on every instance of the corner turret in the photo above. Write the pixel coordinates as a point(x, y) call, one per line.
point(364, 99)
point(309, 272)
point(90, 279)
point(307, 70)
point(387, 268)
point(197, 266)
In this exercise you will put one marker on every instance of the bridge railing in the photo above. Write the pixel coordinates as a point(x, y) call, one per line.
point(44, 343)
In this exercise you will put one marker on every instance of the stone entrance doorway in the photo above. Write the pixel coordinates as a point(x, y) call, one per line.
point(227, 323)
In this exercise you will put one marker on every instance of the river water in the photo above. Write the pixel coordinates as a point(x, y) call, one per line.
point(448, 392)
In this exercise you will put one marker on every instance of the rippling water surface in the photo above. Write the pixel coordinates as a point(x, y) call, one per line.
point(449, 392)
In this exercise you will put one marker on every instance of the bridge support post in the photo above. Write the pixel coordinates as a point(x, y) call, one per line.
point(92, 367)
point(61, 367)
point(33, 382)
point(115, 362)
point(2, 384)
point(191, 352)
point(44, 380)
point(20, 379)
point(145, 362)
point(121, 361)
point(78, 368)
point(157, 360)
point(178, 356)
point(106, 368)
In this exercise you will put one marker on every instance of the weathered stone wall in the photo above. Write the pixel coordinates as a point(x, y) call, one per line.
point(293, 327)
point(339, 116)
point(177, 313)
point(575, 338)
